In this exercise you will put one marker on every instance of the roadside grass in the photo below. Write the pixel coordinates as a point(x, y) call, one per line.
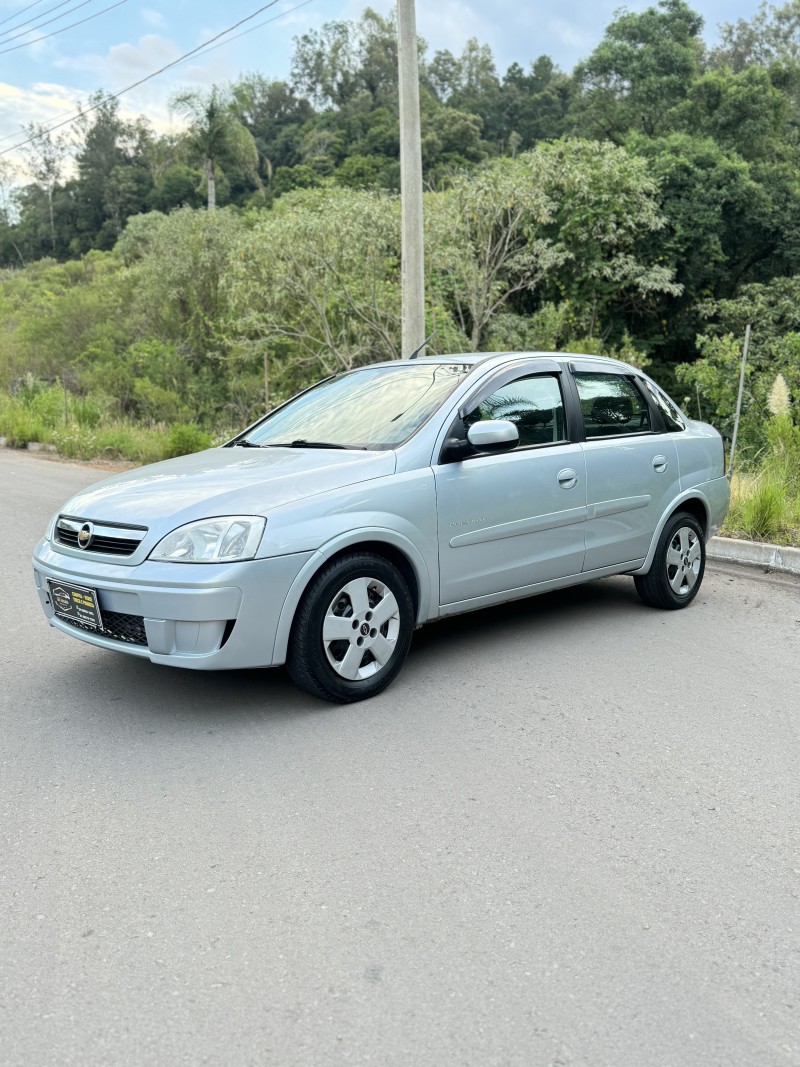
point(765, 506)
point(77, 428)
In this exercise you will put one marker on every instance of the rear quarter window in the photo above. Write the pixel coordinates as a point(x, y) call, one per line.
point(670, 413)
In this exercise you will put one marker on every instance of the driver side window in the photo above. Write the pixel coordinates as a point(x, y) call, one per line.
point(535, 406)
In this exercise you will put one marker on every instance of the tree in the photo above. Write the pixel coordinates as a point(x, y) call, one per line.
point(717, 220)
point(469, 83)
point(317, 280)
point(643, 67)
point(534, 105)
point(774, 312)
point(274, 115)
point(177, 266)
point(485, 241)
point(216, 136)
point(44, 160)
point(345, 60)
point(606, 203)
point(104, 199)
point(773, 34)
point(750, 112)
point(9, 249)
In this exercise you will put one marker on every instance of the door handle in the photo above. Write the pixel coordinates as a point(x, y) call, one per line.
point(660, 464)
point(567, 478)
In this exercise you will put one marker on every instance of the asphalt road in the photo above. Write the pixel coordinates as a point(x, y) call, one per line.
point(567, 834)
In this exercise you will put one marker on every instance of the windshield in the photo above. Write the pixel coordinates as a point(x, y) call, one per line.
point(373, 408)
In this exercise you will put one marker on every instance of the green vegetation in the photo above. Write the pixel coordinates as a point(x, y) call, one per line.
point(77, 427)
point(645, 205)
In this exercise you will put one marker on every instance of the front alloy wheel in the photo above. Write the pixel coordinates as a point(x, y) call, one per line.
point(361, 628)
point(352, 630)
point(678, 565)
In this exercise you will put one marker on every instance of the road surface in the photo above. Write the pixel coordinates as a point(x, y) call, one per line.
point(567, 834)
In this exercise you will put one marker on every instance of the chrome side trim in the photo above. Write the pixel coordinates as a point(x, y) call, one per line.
point(520, 527)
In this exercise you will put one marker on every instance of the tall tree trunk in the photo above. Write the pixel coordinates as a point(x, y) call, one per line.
point(211, 182)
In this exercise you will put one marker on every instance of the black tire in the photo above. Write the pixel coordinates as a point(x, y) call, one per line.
point(357, 657)
point(679, 563)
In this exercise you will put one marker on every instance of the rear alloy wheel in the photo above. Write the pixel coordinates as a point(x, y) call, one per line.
point(352, 630)
point(676, 574)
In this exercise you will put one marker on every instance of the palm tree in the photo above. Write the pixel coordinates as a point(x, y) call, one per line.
point(216, 135)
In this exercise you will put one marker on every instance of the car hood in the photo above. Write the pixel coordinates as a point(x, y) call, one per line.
point(224, 481)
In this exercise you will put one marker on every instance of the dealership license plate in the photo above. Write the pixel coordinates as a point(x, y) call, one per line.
point(77, 603)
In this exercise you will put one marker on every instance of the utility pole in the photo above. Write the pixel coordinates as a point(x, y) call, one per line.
point(739, 399)
point(412, 254)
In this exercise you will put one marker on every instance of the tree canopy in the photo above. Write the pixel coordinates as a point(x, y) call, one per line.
point(636, 204)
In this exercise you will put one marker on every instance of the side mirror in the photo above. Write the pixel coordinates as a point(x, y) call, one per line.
point(493, 435)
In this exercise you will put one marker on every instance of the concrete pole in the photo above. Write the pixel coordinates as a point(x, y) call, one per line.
point(412, 250)
point(739, 399)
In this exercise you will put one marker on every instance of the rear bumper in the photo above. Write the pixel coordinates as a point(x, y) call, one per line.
point(204, 617)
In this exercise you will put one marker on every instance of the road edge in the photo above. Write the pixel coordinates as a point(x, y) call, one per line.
point(754, 554)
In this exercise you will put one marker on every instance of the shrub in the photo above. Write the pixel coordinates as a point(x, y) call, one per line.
point(184, 438)
point(761, 507)
point(19, 426)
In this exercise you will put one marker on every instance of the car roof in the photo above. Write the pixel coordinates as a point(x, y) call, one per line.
point(473, 359)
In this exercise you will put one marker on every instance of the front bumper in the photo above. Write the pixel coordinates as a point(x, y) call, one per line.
point(201, 616)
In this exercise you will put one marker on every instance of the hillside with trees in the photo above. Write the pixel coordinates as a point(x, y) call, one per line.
point(646, 204)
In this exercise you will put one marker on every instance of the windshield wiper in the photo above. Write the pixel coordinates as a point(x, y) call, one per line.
point(303, 443)
point(246, 444)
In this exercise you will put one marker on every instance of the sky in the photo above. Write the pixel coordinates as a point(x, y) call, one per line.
point(123, 41)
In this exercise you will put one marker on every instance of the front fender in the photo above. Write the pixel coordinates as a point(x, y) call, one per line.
point(428, 605)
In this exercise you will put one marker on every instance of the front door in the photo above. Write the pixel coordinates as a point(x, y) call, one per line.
point(513, 520)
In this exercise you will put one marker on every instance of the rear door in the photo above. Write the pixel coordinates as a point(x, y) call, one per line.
point(631, 467)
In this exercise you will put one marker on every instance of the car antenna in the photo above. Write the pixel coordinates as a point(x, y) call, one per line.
point(417, 351)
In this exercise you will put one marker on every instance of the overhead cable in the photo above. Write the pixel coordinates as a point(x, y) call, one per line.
point(71, 26)
point(14, 14)
point(25, 22)
point(167, 66)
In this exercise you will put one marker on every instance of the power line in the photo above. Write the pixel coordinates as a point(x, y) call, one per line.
point(258, 25)
point(72, 25)
point(38, 26)
point(167, 66)
point(17, 25)
point(14, 14)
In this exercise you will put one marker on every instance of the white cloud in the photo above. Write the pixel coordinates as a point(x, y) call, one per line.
point(126, 62)
point(43, 103)
point(153, 18)
point(571, 36)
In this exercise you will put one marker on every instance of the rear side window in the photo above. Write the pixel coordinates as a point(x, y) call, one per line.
point(611, 405)
point(533, 404)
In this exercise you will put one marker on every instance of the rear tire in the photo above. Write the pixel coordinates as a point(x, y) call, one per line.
point(352, 630)
point(679, 563)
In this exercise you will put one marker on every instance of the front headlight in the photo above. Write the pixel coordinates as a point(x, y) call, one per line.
point(224, 540)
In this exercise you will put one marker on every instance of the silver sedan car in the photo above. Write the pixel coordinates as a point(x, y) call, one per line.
point(384, 498)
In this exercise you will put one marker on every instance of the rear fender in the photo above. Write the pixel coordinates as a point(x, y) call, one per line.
point(675, 505)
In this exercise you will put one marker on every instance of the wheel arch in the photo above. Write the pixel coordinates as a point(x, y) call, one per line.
point(693, 504)
point(387, 544)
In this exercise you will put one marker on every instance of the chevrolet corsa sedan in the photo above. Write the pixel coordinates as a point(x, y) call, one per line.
point(382, 499)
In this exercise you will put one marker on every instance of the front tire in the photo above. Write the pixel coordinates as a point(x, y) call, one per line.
point(679, 563)
point(352, 630)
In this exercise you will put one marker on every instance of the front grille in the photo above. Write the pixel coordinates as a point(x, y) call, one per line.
point(126, 628)
point(106, 538)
